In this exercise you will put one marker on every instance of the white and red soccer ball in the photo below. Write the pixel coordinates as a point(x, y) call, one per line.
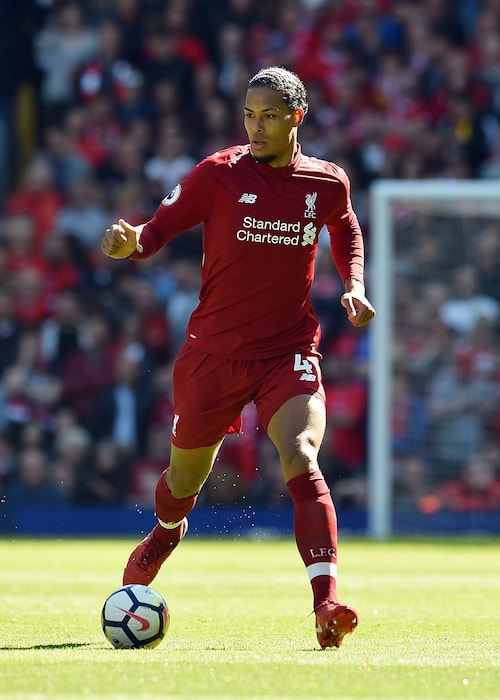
point(135, 617)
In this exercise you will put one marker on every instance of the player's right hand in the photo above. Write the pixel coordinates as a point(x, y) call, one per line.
point(120, 240)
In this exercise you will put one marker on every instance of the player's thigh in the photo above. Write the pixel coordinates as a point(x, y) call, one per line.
point(189, 469)
point(291, 404)
point(297, 429)
point(208, 399)
point(284, 378)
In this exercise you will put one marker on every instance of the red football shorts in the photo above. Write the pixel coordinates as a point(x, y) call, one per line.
point(210, 392)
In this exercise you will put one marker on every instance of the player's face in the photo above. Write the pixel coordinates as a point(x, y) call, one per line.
point(271, 126)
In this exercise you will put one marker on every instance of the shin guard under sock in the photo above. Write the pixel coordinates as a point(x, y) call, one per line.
point(315, 526)
point(170, 512)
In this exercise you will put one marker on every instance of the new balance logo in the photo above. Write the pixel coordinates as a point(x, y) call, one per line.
point(247, 198)
point(307, 377)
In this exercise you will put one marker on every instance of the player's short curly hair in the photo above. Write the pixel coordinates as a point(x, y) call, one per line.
point(284, 81)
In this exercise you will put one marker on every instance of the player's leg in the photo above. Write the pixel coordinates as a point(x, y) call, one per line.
point(175, 497)
point(202, 416)
point(297, 429)
point(189, 469)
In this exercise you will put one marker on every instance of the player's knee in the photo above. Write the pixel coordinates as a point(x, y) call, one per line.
point(183, 483)
point(299, 457)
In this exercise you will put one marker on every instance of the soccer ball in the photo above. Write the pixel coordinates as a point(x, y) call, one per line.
point(135, 617)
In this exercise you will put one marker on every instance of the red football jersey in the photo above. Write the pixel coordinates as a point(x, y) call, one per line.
point(260, 236)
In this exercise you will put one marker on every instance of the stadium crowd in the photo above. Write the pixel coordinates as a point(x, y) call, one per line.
point(104, 106)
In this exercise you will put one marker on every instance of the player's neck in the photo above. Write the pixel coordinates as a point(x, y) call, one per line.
point(287, 158)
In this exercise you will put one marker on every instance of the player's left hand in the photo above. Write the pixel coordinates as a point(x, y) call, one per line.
point(358, 308)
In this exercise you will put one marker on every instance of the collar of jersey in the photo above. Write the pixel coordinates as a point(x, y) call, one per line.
point(286, 170)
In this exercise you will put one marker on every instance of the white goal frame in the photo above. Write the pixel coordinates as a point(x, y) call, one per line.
point(383, 194)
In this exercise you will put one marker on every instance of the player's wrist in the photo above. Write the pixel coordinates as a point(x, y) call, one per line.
point(354, 284)
point(138, 247)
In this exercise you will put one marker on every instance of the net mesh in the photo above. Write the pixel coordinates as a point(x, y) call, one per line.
point(445, 364)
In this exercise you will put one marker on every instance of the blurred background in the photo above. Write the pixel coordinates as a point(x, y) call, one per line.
point(104, 106)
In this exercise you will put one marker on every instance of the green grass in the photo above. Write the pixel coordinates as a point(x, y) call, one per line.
point(429, 622)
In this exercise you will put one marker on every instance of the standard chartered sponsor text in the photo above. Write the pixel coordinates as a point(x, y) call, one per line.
point(254, 228)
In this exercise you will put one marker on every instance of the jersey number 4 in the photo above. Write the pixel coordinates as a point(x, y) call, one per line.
point(301, 365)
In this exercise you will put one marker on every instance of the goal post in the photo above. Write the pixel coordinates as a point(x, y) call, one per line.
point(458, 201)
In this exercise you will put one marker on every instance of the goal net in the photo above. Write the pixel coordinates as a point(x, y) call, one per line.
point(434, 414)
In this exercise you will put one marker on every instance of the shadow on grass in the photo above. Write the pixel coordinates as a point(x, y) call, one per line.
point(67, 645)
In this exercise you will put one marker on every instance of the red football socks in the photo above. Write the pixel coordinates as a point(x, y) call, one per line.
point(315, 525)
point(170, 510)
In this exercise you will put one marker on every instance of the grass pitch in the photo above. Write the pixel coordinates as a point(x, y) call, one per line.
point(429, 622)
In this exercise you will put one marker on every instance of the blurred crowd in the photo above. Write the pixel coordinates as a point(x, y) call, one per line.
point(104, 106)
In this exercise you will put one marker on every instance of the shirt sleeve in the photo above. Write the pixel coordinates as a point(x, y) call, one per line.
point(186, 206)
point(346, 239)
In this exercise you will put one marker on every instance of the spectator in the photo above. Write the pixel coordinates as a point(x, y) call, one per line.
point(162, 409)
point(67, 162)
point(422, 343)
point(158, 272)
point(31, 392)
point(123, 409)
point(9, 330)
point(146, 469)
point(7, 463)
point(61, 47)
point(130, 194)
point(38, 197)
point(163, 63)
point(171, 163)
point(130, 15)
point(104, 479)
point(176, 18)
point(346, 403)
point(88, 371)
point(410, 419)
point(61, 272)
point(462, 403)
point(101, 131)
point(477, 488)
point(183, 300)
point(105, 71)
point(487, 261)
point(82, 216)
point(153, 326)
point(31, 299)
point(467, 306)
point(21, 251)
point(31, 484)
point(411, 482)
point(71, 453)
point(60, 334)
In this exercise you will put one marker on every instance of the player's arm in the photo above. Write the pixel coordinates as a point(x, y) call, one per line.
point(347, 251)
point(189, 204)
point(346, 242)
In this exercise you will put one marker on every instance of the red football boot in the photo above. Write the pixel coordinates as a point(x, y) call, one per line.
point(333, 622)
point(147, 558)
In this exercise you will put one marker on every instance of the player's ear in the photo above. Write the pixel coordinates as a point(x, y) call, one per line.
point(298, 116)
